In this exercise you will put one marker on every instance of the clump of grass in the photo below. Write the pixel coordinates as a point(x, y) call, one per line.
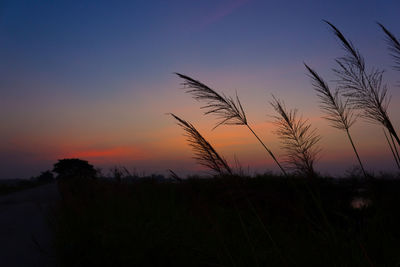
point(204, 152)
point(338, 113)
point(298, 138)
point(365, 89)
point(228, 110)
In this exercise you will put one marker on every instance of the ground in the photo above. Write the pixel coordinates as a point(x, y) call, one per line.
point(25, 235)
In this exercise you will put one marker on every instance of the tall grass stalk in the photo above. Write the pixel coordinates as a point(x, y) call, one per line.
point(339, 114)
point(246, 233)
point(204, 152)
point(229, 110)
point(365, 89)
point(394, 46)
point(298, 138)
point(393, 150)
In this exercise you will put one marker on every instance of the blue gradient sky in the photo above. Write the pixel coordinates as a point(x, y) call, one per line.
point(93, 79)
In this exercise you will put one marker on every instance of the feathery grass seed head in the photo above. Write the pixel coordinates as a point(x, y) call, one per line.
point(299, 140)
point(204, 152)
point(229, 110)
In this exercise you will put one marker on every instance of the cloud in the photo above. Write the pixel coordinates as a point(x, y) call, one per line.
point(223, 11)
point(122, 152)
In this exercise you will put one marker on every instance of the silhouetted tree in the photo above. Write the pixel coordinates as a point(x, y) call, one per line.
point(45, 177)
point(74, 168)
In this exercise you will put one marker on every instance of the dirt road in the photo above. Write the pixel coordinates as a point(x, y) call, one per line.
point(25, 236)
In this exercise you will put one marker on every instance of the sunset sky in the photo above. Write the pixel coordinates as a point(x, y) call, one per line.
point(94, 79)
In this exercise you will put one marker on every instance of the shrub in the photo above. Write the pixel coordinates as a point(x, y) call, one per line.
point(74, 168)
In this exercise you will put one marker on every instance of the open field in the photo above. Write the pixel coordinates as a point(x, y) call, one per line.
point(15, 185)
point(231, 221)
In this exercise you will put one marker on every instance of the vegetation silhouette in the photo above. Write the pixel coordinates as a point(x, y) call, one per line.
point(8, 186)
point(394, 48)
point(45, 177)
point(74, 168)
point(364, 88)
point(393, 45)
point(204, 153)
point(338, 113)
point(229, 110)
point(237, 220)
point(393, 148)
point(299, 140)
point(230, 221)
point(358, 89)
point(75, 176)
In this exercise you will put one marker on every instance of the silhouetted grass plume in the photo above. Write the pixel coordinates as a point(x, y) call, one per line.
point(394, 46)
point(229, 110)
point(204, 153)
point(365, 89)
point(298, 138)
point(339, 114)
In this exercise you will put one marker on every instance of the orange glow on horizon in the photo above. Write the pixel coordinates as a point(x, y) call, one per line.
point(132, 153)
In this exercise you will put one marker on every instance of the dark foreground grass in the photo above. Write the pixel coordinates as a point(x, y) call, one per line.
point(12, 186)
point(264, 221)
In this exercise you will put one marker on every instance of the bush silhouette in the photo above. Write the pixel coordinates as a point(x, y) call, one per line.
point(74, 168)
point(45, 177)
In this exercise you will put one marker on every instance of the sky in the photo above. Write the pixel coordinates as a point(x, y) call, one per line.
point(94, 79)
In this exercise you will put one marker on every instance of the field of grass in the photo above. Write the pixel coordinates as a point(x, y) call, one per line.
point(241, 221)
point(231, 221)
point(11, 186)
